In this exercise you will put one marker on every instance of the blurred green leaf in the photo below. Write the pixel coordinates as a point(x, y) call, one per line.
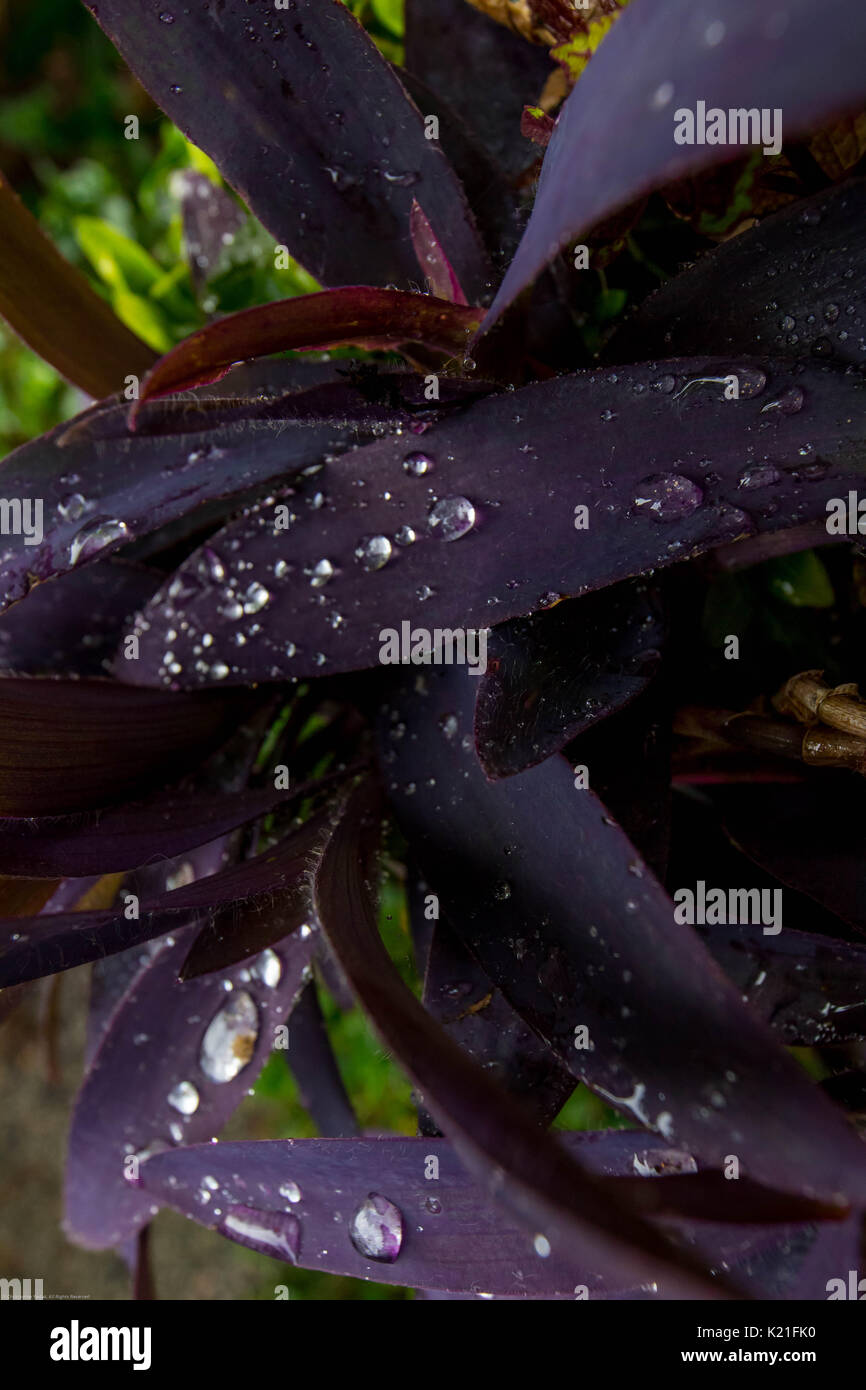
point(800, 580)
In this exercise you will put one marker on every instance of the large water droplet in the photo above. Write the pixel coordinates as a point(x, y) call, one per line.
point(96, 536)
point(668, 496)
point(373, 552)
point(184, 1098)
point(451, 518)
point(268, 968)
point(290, 1191)
point(270, 1232)
point(230, 1040)
point(376, 1229)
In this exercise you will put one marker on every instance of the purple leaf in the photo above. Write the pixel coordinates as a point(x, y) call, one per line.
point(273, 98)
point(34, 946)
point(125, 837)
point(800, 289)
point(75, 745)
point(566, 919)
point(70, 627)
point(446, 1234)
point(359, 315)
point(186, 454)
point(614, 139)
point(174, 1062)
point(490, 1131)
point(663, 464)
point(475, 1014)
point(542, 687)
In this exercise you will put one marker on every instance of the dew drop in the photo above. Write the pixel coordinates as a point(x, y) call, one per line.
point(417, 464)
point(376, 1229)
point(166, 17)
point(290, 1191)
point(321, 572)
point(406, 536)
point(97, 535)
point(373, 552)
point(760, 476)
point(230, 1040)
point(665, 384)
point(72, 508)
point(831, 312)
point(787, 403)
point(668, 496)
point(653, 1162)
point(256, 598)
point(268, 968)
point(542, 1246)
point(184, 1098)
point(451, 518)
point(433, 1205)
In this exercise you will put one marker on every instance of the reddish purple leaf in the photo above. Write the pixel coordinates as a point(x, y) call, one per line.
point(434, 264)
point(356, 315)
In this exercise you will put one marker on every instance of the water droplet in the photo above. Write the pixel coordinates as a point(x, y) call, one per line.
point(424, 592)
point(714, 33)
point(95, 537)
point(290, 1191)
point(542, 1246)
point(166, 17)
point(184, 1098)
point(822, 347)
point(787, 403)
point(418, 464)
point(451, 518)
point(433, 1205)
point(762, 475)
point(406, 536)
point(787, 324)
point(668, 496)
point(219, 670)
point(448, 725)
point(376, 1229)
point(255, 598)
point(268, 968)
point(831, 312)
point(321, 572)
point(662, 96)
point(502, 891)
point(72, 508)
point(270, 1232)
point(665, 384)
point(373, 552)
point(230, 1040)
point(750, 381)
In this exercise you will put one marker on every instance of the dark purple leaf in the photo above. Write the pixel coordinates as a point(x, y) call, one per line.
point(614, 139)
point(568, 921)
point(359, 315)
point(800, 290)
point(174, 1062)
point(552, 675)
point(71, 626)
point(97, 486)
point(491, 1132)
point(125, 837)
point(475, 1014)
point(75, 745)
point(314, 1067)
point(304, 1194)
point(484, 73)
point(665, 466)
point(274, 100)
point(267, 897)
